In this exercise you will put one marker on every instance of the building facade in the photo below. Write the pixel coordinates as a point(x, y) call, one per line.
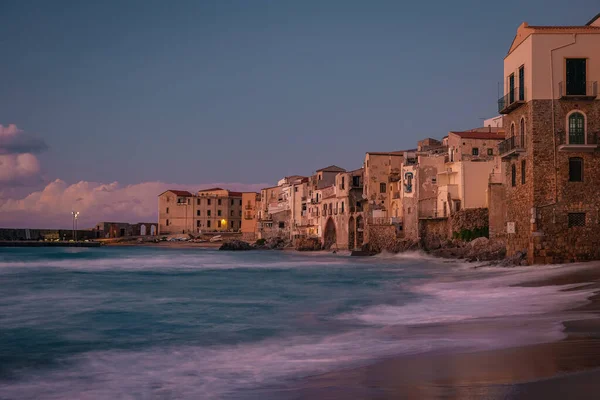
point(552, 121)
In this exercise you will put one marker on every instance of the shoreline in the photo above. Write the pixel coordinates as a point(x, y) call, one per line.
point(567, 368)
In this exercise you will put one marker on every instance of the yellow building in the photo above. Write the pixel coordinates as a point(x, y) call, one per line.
point(251, 204)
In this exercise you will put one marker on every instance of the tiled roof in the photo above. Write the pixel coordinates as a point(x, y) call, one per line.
point(178, 192)
point(480, 135)
point(211, 189)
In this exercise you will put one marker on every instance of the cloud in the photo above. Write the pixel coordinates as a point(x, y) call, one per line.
point(18, 164)
point(52, 206)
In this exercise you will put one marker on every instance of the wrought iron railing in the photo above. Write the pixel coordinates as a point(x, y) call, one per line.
point(510, 144)
point(582, 89)
point(513, 96)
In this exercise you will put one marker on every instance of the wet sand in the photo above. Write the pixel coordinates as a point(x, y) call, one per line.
point(567, 369)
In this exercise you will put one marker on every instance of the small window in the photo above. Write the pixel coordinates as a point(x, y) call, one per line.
point(218, 223)
point(231, 213)
point(522, 172)
point(219, 202)
point(198, 202)
point(208, 222)
point(208, 213)
point(240, 202)
point(232, 224)
point(167, 210)
point(514, 175)
point(490, 152)
point(167, 223)
point(434, 180)
point(208, 201)
point(475, 151)
point(295, 189)
point(343, 181)
point(218, 213)
point(197, 224)
point(575, 169)
point(232, 201)
point(576, 219)
point(356, 181)
point(281, 225)
point(197, 213)
point(342, 207)
point(382, 187)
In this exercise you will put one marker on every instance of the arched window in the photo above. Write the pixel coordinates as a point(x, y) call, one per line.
point(522, 132)
point(512, 130)
point(576, 128)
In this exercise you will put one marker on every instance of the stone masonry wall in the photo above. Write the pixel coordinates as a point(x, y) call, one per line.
point(469, 219)
point(381, 237)
point(434, 232)
point(497, 210)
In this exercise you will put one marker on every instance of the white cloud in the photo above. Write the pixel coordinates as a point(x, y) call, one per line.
point(18, 164)
point(52, 206)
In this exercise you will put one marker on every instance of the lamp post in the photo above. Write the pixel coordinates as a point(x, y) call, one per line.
point(75, 215)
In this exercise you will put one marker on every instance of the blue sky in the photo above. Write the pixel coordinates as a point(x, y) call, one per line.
point(250, 91)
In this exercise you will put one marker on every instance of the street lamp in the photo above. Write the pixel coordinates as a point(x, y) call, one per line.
point(75, 215)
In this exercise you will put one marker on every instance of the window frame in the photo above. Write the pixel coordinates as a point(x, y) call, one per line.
point(513, 179)
point(382, 187)
point(581, 170)
point(523, 171)
point(568, 127)
point(572, 216)
point(475, 151)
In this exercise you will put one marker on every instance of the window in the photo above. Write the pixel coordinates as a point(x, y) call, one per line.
point(342, 207)
point(208, 223)
point(218, 223)
point(231, 213)
point(218, 213)
point(167, 210)
point(511, 89)
point(356, 181)
point(576, 76)
point(382, 187)
point(281, 225)
point(198, 213)
point(208, 201)
point(522, 172)
point(576, 219)
point(514, 175)
point(232, 224)
point(522, 83)
point(219, 202)
point(208, 213)
point(232, 201)
point(167, 223)
point(197, 224)
point(240, 202)
point(575, 169)
point(188, 201)
point(490, 152)
point(198, 202)
point(576, 128)
point(434, 180)
point(343, 182)
point(522, 139)
point(295, 189)
point(475, 151)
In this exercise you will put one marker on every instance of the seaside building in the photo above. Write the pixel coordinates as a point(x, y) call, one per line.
point(551, 200)
point(104, 230)
point(251, 203)
point(209, 210)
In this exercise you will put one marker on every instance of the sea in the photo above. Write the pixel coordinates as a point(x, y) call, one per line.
point(156, 323)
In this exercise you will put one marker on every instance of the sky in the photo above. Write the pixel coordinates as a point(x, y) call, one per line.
point(130, 97)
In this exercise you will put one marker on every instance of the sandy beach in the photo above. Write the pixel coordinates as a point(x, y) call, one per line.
point(566, 369)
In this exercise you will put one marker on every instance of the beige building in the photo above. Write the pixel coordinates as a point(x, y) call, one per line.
point(379, 169)
point(209, 210)
point(552, 167)
point(474, 145)
point(251, 207)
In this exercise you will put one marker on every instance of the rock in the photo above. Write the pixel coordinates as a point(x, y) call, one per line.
point(236, 245)
point(308, 244)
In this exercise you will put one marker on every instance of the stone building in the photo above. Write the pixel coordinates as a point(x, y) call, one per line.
point(283, 209)
point(552, 164)
point(474, 145)
point(105, 230)
point(210, 210)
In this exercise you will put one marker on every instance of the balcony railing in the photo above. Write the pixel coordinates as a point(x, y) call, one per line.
point(582, 90)
point(511, 146)
point(512, 100)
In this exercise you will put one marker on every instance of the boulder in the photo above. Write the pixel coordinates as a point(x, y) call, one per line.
point(236, 245)
point(308, 244)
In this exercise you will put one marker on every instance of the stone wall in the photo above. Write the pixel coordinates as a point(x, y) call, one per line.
point(469, 219)
point(249, 237)
point(497, 210)
point(45, 234)
point(381, 237)
point(434, 232)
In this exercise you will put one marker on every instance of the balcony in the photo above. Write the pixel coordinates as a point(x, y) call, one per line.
point(511, 147)
point(578, 91)
point(396, 195)
point(514, 99)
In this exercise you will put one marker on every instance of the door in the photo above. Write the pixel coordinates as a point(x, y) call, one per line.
point(576, 76)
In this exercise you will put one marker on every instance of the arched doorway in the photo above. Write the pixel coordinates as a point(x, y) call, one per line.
point(351, 236)
point(153, 230)
point(143, 230)
point(330, 234)
point(360, 226)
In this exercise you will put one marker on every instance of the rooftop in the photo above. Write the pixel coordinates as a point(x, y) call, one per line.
point(332, 168)
point(184, 193)
point(498, 135)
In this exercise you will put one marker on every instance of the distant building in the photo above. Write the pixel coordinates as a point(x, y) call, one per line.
point(550, 155)
point(106, 230)
point(251, 203)
point(210, 210)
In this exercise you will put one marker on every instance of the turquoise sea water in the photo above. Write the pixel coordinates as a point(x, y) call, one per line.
point(145, 323)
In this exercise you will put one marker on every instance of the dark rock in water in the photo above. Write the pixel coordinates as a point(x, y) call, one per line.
point(236, 245)
point(362, 253)
point(308, 244)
